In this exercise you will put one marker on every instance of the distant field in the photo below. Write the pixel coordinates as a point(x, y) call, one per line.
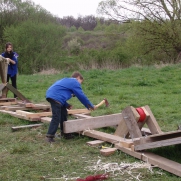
point(24, 155)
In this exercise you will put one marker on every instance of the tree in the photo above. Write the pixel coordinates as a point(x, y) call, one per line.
point(157, 23)
point(14, 12)
point(38, 45)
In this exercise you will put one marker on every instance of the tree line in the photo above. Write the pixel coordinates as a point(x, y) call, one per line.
point(130, 32)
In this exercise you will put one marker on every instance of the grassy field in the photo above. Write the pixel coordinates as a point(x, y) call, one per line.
point(25, 156)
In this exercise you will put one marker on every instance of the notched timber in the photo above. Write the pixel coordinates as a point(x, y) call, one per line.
point(91, 123)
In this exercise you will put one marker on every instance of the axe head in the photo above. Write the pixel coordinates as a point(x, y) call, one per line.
point(106, 102)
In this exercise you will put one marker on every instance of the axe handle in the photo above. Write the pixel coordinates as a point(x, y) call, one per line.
point(100, 104)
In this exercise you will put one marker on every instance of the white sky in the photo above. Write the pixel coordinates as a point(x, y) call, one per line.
point(73, 8)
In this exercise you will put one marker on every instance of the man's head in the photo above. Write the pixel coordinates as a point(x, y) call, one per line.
point(78, 76)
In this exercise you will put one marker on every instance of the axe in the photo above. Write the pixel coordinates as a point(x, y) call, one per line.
point(85, 111)
point(104, 101)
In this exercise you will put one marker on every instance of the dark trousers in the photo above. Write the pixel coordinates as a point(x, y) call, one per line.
point(59, 115)
point(13, 81)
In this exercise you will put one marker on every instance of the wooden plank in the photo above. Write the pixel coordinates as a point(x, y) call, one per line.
point(7, 103)
point(44, 114)
point(79, 111)
point(36, 115)
point(15, 128)
point(122, 129)
point(152, 123)
point(126, 144)
point(91, 123)
point(159, 137)
point(161, 162)
point(95, 142)
point(34, 106)
point(14, 114)
point(7, 99)
point(108, 151)
point(105, 137)
point(2, 86)
point(24, 104)
point(23, 113)
point(3, 69)
point(13, 108)
point(15, 91)
point(45, 119)
point(81, 116)
point(131, 123)
point(157, 144)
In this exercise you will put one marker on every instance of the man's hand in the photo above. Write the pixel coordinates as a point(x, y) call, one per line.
point(93, 108)
point(10, 61)
point(69, 106)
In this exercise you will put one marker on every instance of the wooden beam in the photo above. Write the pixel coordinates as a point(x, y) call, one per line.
point(14, 114)
point(15, 91)
point(7, 99)
point(106, 137)
point(131, 123)
point(159, 137)
point(44, 114)
point(108, 151)
point(79, 111)
point(91, 123)
point(81, 116)
point(95, 142)
point(122, 129)
point(3, 69)
point(152, 123)
point(7, 103)
point(37, 115)
point(15, 128)
point(157, 144)
point(159, 161)
point(23, 113)
point(158, 140)
point(45, 119)
point(2, 86)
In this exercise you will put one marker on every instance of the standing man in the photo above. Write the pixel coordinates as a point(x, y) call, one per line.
point(57, 95)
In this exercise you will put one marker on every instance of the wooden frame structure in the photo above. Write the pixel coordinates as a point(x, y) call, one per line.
point(4, 86)
point(130, 136)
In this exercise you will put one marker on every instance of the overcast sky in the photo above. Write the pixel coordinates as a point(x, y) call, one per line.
point(73, 8)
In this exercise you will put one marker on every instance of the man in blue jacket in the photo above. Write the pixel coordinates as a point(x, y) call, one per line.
point(57, 95)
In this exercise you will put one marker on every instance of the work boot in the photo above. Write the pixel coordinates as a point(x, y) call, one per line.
point(68, 136)
point(50, 139)
point(58, 135)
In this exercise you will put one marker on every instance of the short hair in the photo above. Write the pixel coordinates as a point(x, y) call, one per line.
point(77, 74)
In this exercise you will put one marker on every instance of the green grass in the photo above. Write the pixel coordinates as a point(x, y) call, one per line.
point(25, 156)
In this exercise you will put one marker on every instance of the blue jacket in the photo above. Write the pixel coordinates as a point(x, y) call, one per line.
point(12, 68)
point(62, 90)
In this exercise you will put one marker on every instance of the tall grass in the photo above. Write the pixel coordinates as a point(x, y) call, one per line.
point(24, 155)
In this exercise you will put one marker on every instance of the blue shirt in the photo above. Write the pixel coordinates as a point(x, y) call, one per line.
point(12, 68)
point(62, 90)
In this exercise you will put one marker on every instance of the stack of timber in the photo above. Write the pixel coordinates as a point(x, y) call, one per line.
point(34, 112)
